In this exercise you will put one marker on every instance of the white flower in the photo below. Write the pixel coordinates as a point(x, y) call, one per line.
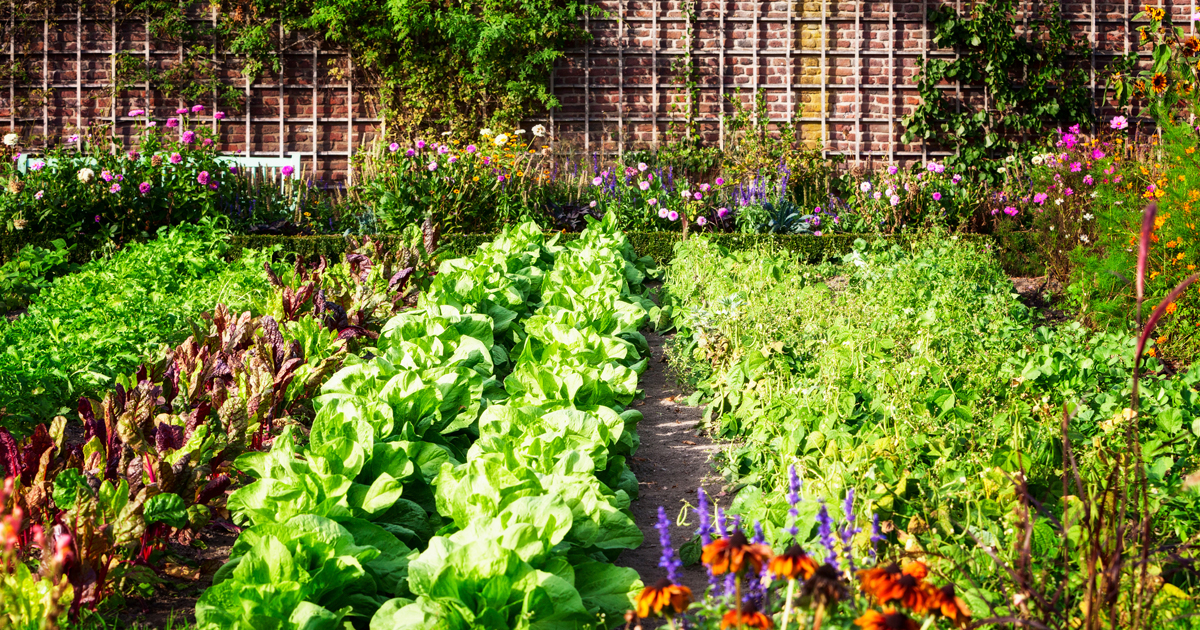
point(1088, 216)
point(86, 174)
point(486, 133)
point(1037, 160)
point(1084, 238)
point(686, 194)
point(1002, 170)
point(520, 132)
point(445, 134)
point(11, 139)
point(1058, 202)
point(1052, 229)
point(539, 131)
point(501, 140)
point(865, 186)
point(1117, 203)
point(1010, 159)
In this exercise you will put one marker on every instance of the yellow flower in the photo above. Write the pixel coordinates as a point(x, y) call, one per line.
point(475, 179)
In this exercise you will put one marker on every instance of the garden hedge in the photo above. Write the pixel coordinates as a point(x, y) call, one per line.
point(658, 245)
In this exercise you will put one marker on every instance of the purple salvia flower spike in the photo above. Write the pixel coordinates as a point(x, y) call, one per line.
point(706, 529)
point(669, 561)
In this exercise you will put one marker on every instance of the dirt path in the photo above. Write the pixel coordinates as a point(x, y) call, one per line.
point(670, 464)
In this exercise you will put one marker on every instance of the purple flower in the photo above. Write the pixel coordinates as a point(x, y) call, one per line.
point(443, 149)
point(1076, 167)
point(1089, 180)
point(73, 138)
point(932, 166)
point(394, 147)
point(134, 113)
point(698, 196)
point(1040, 198)
point(287, 171)
point(114, 189)
point(181, 110)
point(97, 218)
point(793, 499)
point(432, 166)
point(188, 137)
point(196, 109)
point(722, 213)
point(1118, 123)
point(175, 158)
point(720, 181)
point(876, 534)
point(410, 153)
point(721, 523)
point(701, 221)
point(207, 142)
point(597, 180)
point(172, 123)
point(233, 170)
point(144, 187)
point(669, 560)
point(1068, 192)
point(673, 216)
point(420, 144)
point(106, 175)
point(825, 531)
point(892, 170)
point(219, 115)
point(471, 148)
point(203, 177)
point(937, 196)
point(1010, 211)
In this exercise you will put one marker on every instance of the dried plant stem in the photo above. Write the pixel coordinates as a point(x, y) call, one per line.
point(787, 606)
point(819, 615)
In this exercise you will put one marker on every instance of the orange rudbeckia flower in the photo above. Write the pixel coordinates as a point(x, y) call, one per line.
point(951, 606)
point(889, 619)
point(732, 554)
point(749, 617)
point(906, 586)
point(793, 563)
point(654, 599)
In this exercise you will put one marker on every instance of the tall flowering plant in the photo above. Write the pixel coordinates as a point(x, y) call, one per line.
point(894, 198)
point(1169, 84)
point(751, 585)
point(28, 600)
point(89, 184)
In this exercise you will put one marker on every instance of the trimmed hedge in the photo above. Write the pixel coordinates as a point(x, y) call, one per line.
point(658, 245)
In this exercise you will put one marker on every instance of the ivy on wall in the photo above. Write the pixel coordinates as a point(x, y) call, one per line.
point(1030, 80)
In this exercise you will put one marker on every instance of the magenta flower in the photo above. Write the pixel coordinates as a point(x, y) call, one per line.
point(233, 170)
point(106, 175)
point(1089, 180)
point(1097, 153)
point(1040, 198)
point(592, 204)
point(114, 189)
point(452, 159)
point(73, 138)
point(443, 149)
point(203, 177)
point(698, 196)
point(196, 109)
point(1076, 167)
point(394, 147)
point(722, 213)
point(957, 178)
point(1010, 211)
point(1073, 129)
point(720, 181)
point(420, 144)
point(704, 187)
point(144, 187)
point(287, 171)
point(701, 221)
point(172, 123)
point(39, 194)
point(501, 178)
point(432, 166)
point(937, 196)
point(1068, 192)
point(597, 180)
point(207, 142)
point(219, 115)
point(134, 113)
point(673, 216)
point(175, 158)
point(644, 185)
point(471, 148)
point(895, 200)
point(410, 153)
point(188, 137)
point(892, 170)
point(37, 165)
point(151, 123)
point(653, 201)
point(642, 166)
point(878, 195)
point(181, 110)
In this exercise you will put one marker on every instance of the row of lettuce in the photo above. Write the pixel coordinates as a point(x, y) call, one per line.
point(469, 469)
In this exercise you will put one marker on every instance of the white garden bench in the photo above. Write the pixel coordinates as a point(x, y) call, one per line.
point(271, 166)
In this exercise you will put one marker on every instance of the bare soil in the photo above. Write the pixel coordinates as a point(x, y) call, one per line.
point(673, 461)
point(1041, 294)
point(187, 571)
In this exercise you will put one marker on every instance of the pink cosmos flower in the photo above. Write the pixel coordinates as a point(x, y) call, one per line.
point(1089, 180)
point(37, 165)
point(1068, 192)
point(39, 194)
point(134, 113)
point(73, 138)
point(1040, 198)
point(1097, 153)
point(1073, 129)
point(106, 175)
point(1076, 167)
point(1118, 123)
point(203, 177)
point(144, 187)
point(1010, 211)
point(114, 189)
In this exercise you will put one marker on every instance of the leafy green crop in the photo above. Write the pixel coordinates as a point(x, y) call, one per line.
point(109, 317)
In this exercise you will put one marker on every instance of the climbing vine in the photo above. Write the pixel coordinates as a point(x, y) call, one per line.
point(1028, 80)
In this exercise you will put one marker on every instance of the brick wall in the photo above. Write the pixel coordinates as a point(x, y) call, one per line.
point(843, 72)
